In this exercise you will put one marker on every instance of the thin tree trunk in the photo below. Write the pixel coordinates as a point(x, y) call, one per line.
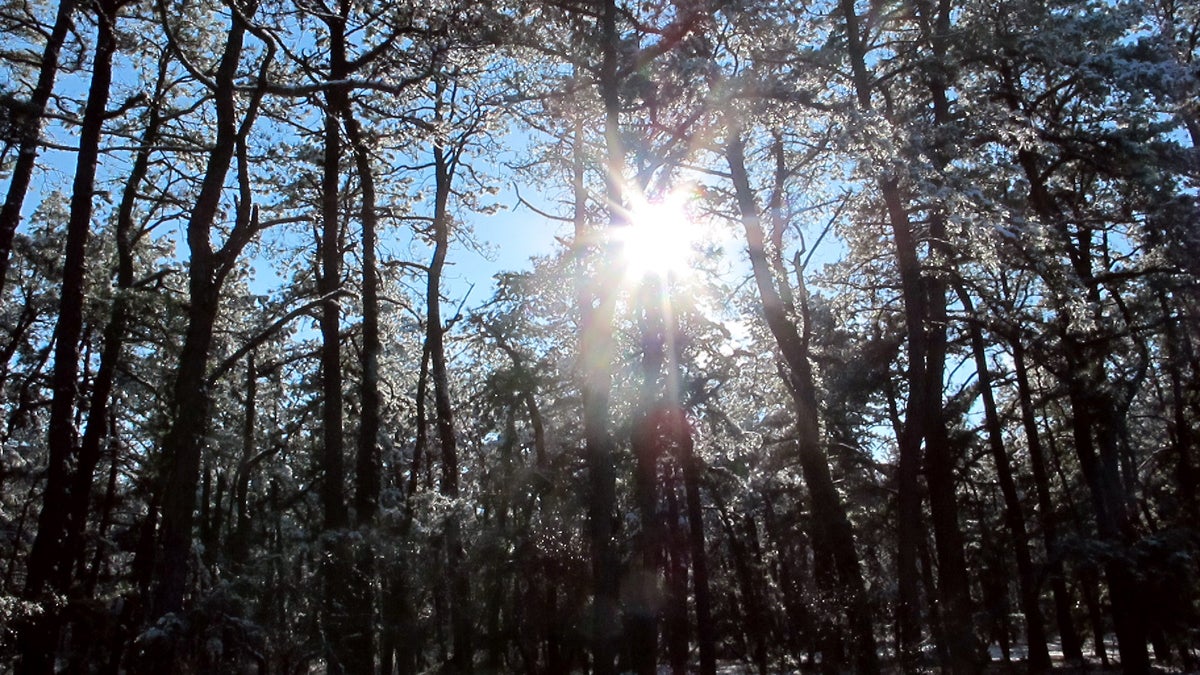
point(1072, 647)
point(755, 628)
point(239, 542)
point(1014, 515)
point(461, 624)
point(91, 574)
point(29, 135)
point(421, 442)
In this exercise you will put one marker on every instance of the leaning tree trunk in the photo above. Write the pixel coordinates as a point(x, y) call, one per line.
point(831, 525)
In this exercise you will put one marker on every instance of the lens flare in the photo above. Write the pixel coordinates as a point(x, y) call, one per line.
point(659, 239)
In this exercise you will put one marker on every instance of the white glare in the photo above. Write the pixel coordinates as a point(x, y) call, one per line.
point(659, 239)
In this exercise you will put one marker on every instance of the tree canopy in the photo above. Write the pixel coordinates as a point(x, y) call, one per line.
point(864, 337)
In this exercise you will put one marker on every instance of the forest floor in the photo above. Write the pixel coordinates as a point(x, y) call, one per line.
point(998, 666)
point(995, 668)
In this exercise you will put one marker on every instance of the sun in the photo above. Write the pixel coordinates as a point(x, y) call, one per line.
point(659, 239)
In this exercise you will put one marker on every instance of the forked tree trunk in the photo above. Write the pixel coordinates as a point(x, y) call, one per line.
point(207, 270)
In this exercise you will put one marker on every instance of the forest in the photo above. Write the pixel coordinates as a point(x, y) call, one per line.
point(863, 337)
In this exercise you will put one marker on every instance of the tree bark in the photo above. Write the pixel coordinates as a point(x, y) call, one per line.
point(596, 304)
point(909, 441)
point(1093, 418)
point(706, 630)
point(368, 462)
point(99, 420)
point(239, 541)
point(643, 596)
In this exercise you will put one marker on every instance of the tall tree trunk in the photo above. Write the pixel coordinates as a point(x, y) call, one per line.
point(909, 441)
point(596, 345)
point(1094, 422)
point(706, 629)
point(1014, 515)
point(29, 132)
point(644, 582)
point(461, 623)
point(675, 614)
point(954, 584)
point(368, 462)
point(1100, 474)
point(349, 649)
point(99, 421)
point(50, 560)
point(207, 269)
point(1072, 647)
point(831, 526)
